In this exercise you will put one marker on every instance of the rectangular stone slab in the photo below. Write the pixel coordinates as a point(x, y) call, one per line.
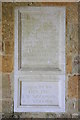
point(40, 93)
point(40, 38)
point(39, 69)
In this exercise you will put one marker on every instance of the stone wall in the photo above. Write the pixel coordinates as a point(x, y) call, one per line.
point(7, 58)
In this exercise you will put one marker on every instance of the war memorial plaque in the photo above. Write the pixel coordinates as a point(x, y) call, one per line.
point(39, 59)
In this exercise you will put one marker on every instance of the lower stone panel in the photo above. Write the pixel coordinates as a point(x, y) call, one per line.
point(31, 116)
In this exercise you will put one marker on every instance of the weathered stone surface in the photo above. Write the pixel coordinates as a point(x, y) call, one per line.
point(0, 116)
point(0, 63)
point(76, 64)
point(72, 106)
point(72, 14)
point(7, 106)
point(72, 39)
point(8, 31)
point(0, 11)
point(10, 115)
point(6, 0)
point(79, 87)
point(7, 63)
point(77, 59)
point(3, 47)
point(32, 115)
point(79, 105)
point(12, 85)
point(69, 64)
point(73, 86)
point(0, 85)
point(9, 47)
point(75, 40)
point(0, 38)
point(0, 47)
point(0, 31)
point(65, 115)
point(38, 0)
point(0, 105)
point(71, 48)
point(75, 115)
point(6, 86)
point(45, 115)
point(7, 8)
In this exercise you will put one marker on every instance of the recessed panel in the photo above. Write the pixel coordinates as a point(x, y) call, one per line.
point(40, 37)
point(40, 93)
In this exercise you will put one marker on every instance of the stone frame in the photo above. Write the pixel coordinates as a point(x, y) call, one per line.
point(18, 70)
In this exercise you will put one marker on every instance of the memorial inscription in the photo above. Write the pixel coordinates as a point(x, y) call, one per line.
point(40, 93)
point(40, 35)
